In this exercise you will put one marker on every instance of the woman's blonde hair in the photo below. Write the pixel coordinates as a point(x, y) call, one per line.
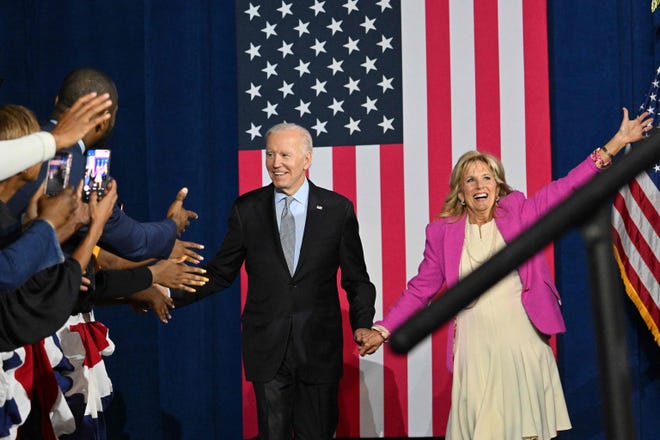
point(452, 206)
point(16, 121)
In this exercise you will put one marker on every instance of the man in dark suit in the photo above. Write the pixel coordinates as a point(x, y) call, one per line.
point(292, 335)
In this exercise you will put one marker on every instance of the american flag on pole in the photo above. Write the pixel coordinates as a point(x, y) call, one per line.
point(393, 93)
point(636, 224)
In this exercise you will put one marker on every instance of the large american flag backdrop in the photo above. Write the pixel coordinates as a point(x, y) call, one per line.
point(636, 225)
point(393, 93)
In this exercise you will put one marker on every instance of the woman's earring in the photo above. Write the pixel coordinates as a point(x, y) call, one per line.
point(462, 202)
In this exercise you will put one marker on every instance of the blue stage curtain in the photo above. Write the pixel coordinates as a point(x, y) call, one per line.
point(601, 59)
point(174, 66)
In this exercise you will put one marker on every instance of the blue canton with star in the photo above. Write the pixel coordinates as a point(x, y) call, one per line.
point(650, 105)
point(333, 67)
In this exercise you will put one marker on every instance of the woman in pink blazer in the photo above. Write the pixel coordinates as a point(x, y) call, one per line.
point(505, 383)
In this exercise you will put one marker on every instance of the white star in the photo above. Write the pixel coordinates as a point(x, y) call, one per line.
point(336, 106)
point(352, 85)
point(269, 30)
point(336, 66)
point(350, 5)
point(302, 67)
point(385, 43)
point(656, 168)
point(269, 69)
point(369, 64)
point(270, 109)
point(253, 51)
point(319, 46)
point(386, 83)
point(253, 131)
point(317, 7)
point(286, 49)
point(368, 24)
point(655, 83)
point(253, 91)
point(651, 110)
point(353, 125)
point(335, 26)
point(352, 45)
point(253, 11)
point(370, 104)
point(303, 108)
point(302, 28)
point(386, 124)
point(384, 4)
point(658, 71)
point(285, 9)
point(286, 89)
point(319, 87)
point(320, 127)
point(652, 96)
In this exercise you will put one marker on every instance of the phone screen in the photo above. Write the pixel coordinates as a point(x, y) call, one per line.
point(97, 173)
point(57, 177)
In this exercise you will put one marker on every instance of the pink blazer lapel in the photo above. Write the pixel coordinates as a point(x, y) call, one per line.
point(455, 236)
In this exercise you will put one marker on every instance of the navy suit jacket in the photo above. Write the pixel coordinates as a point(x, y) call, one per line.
point(122, 235)
point(304, 306)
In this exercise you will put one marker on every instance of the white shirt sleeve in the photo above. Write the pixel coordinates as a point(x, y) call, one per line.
point(19, 154)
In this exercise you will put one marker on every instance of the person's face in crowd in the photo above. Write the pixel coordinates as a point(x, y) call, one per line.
point(479, 192)
point(287, 160)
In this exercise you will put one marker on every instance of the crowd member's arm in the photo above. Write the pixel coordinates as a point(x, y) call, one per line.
point(133, 286)
point(156, 299)
point(139, 241)
point(39, 246)
point(99, 212)
point(22, 153)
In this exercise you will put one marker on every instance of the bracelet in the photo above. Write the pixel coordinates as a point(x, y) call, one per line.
point(607, 152)
point(383, 332)
point(598, 161)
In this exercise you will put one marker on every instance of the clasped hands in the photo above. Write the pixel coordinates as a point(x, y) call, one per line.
point(369, 340)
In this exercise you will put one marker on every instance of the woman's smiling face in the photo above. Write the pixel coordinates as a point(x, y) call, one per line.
point(479, 192)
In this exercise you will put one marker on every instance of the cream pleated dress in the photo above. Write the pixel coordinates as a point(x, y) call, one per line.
point(506, 384)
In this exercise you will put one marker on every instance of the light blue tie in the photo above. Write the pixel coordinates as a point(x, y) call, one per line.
point(288, 233)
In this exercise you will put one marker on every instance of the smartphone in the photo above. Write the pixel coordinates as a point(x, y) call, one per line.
point(97, 173)
point(57, 176)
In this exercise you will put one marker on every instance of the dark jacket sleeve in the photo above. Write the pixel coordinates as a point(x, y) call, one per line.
point(135, 240)
point(119, 283)
point(360, 291)
point(39, 307)
point(223, 268)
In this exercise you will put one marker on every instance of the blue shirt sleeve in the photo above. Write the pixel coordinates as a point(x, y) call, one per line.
point(34, 251)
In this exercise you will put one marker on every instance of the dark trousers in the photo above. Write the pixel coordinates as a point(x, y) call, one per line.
point(289, 408)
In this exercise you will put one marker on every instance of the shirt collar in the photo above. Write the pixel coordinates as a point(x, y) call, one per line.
point(300, 196)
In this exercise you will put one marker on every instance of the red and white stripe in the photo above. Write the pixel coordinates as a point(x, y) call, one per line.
point(475, 76)
point(636, 224)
